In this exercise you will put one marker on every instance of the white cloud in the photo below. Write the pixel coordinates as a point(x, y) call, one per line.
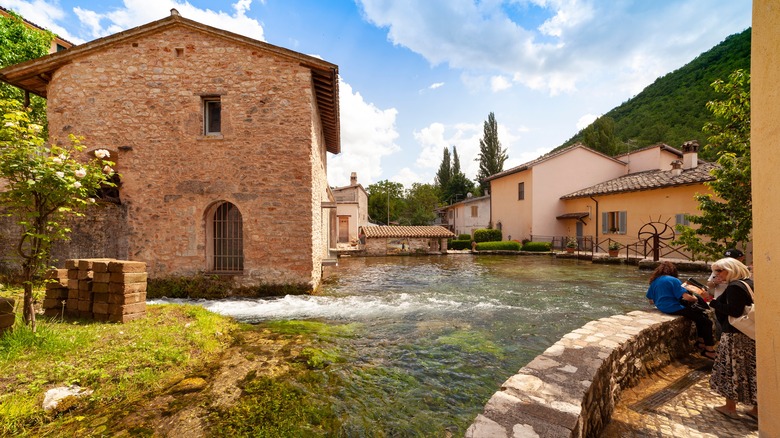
point(137, 12)
point(586, 120)
point(368, 134)
point(436, 85)
point(43, 13)
point(606, 44)
point(499, 83)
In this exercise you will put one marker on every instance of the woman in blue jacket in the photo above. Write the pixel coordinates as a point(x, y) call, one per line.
point(667, 293)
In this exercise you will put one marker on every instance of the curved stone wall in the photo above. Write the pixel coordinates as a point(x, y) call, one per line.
point(571, 389)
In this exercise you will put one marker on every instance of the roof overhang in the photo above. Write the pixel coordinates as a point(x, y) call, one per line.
point(579, 216)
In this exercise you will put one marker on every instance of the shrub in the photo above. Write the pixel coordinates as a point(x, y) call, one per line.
point(499, 246)
point(487, 235)
point(537, 246)
point(459, 244)
point(464, 236)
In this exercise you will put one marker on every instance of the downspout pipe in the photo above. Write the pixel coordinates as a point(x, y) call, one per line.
point(597, 222)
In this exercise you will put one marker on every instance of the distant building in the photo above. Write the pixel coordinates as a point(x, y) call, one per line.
point(403, 240)
point(351, 209)
point(579, 192)
point(463, 217)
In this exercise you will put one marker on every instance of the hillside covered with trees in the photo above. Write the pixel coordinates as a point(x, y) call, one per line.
point(672, 109)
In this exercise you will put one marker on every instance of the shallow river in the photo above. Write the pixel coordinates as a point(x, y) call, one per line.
point(433, 337)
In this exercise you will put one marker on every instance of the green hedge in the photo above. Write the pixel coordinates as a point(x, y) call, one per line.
point(487, 235)
point(499, 246)
point(459, 244)
point(537, 246)
point(464, 236)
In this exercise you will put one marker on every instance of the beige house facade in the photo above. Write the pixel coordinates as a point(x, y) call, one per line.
point(351, 209)
point(464, 217)
point(580, 193)
point(221, 142)
point(525, 200)
point(637, 208)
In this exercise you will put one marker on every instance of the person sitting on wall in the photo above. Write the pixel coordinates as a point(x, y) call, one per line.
point(667, 293)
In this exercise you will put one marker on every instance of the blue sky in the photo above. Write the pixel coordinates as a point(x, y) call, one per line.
point(421, 75)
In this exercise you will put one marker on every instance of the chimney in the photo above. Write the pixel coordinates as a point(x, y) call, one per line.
point(690, 154)
point(353, 179)
point(677, 167)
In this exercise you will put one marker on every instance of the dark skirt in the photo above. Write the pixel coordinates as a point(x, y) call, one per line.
point(734, 371)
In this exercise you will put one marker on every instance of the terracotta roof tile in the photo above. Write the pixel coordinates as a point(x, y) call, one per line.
point(412, 231)
point(648, 180)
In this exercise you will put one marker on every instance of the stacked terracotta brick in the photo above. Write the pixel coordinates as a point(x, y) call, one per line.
point(7, 315)
point(100, 289)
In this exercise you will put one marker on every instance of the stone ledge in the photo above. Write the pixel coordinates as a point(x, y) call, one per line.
point(572, 388)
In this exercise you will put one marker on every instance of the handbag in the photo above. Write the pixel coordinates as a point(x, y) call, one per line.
point(747, 322)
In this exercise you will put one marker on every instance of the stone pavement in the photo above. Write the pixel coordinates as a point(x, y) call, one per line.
point(676, 402)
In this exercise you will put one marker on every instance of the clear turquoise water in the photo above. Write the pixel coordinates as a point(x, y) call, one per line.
point(436, 336)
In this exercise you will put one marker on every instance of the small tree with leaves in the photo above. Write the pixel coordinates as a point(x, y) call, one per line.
point(41, 186)
point(491, 156)
point(726, 220)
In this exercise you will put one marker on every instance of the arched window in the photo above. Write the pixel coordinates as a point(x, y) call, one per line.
point(226, 239)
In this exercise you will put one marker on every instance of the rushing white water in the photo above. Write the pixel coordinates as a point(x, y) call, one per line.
point(433, 337)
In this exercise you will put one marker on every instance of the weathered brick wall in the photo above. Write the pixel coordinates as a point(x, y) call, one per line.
point(141, 100)
point(100, 289)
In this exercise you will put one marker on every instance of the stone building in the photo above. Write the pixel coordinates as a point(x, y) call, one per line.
point(221, 142)
point(404, 240)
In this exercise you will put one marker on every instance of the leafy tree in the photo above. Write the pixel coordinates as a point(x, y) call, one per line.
point(385, 201)
point(444, 175)
point(421, 203)
point(726, 220)
point(459, 186)
point(19, 43)
point(600, 136)
point(43, 185)
point(491, 156)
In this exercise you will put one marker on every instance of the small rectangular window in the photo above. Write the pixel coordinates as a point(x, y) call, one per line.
point(474, 211)
point(682, 219)
point(520, 191)
point(212, 115)
point(613, 222)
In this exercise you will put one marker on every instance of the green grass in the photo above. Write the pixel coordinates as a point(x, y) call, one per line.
point(121, 363)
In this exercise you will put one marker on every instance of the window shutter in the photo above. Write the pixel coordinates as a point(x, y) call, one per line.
point(604, 222)
point(622, 218)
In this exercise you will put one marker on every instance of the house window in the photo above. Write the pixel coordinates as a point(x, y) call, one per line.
point(681, 219)
point(520, 191)
point(613, 222)
point(474, 211)
point(226, 239)
point(212, 115)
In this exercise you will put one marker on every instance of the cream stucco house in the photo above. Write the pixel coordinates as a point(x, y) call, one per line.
point(351, 209)
point(578, 192)
point(465, 216)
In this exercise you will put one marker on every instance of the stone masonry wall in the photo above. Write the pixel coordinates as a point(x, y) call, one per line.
point(571, 389)
point(142, 101)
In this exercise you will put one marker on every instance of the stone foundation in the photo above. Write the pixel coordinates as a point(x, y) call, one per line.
point(571, 389)
point(100, 289)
